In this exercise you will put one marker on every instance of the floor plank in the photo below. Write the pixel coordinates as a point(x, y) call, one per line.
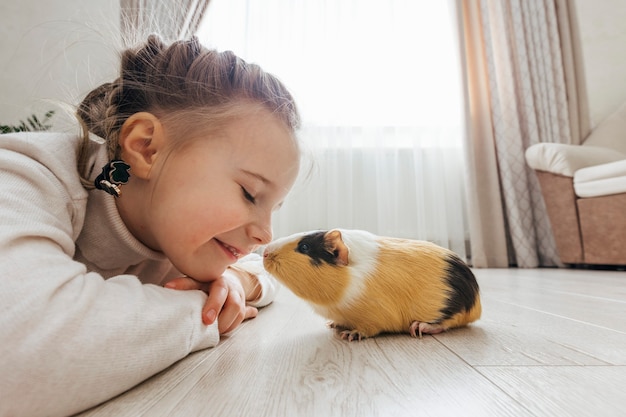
point(513, 335)
point(550, 342)
point(564, 390)
point(317, 374)
point(592, 283)
point(583, 297)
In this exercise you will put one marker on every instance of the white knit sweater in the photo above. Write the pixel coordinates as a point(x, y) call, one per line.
point(83, 315)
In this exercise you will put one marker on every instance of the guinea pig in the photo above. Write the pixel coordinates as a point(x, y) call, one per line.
point(367, 284)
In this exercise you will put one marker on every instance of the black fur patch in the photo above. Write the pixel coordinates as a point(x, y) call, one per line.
point(463, 288)
point(314, 246)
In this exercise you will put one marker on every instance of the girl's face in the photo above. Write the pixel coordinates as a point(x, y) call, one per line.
point(211, 201)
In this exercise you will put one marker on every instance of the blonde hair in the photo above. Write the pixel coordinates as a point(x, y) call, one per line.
point(185, 84)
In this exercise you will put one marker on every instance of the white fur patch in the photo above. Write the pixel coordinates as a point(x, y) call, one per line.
point(362, 261)
point(280, 242)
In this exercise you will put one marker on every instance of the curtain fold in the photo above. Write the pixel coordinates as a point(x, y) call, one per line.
point(485, 209)
point(523, 64)
point(576, 86)
point(172, 20)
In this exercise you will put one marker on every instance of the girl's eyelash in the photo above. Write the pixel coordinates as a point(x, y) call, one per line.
point(248, 196)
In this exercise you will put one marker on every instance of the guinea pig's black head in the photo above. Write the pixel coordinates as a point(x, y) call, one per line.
point(323, 247)
point(311, 264)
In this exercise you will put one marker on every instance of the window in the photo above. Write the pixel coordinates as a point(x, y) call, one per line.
point(378, 86)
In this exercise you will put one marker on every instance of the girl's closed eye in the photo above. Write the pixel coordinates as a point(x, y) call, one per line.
point(247, 195)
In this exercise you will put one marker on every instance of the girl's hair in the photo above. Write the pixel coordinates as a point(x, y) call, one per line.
point(187, 86)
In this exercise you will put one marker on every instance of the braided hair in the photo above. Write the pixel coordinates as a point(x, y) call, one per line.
point(183, 83)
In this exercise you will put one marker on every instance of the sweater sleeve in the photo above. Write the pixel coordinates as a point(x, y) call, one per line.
point(71, 339)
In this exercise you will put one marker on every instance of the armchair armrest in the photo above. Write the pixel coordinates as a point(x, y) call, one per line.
point(563, 159)
point(601, 180)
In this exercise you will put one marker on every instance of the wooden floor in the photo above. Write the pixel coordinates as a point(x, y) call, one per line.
point(551, 342)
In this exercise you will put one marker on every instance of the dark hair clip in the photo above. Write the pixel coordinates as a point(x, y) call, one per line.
point(114, 174)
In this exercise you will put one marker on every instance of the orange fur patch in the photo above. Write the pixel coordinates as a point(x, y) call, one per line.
point(323, 284)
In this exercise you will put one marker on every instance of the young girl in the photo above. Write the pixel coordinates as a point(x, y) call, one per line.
point(183, 160)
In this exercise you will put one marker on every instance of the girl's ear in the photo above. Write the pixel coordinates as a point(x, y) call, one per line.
point(141, 142)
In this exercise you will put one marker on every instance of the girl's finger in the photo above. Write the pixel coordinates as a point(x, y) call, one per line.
point(232, 314)
point(228, 321)
point(217, 294)
point(251, 312)
point(183, 283)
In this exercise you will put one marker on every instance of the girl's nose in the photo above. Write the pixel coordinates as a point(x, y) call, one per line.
point(261, 233)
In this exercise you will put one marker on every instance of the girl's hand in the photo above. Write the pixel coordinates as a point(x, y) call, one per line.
point(226, 300)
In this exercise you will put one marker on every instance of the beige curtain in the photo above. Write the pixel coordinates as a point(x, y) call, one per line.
point(524, 84)
point(172, 19)
point(573, 64)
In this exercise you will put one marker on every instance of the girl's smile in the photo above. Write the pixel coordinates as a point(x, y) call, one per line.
point(231, 251)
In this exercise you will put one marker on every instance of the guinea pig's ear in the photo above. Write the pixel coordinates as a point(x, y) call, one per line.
point(335, 244)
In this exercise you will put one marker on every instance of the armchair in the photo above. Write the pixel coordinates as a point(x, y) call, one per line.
point(584, 189)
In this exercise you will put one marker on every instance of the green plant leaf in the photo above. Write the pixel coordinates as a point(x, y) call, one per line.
point(33, 121)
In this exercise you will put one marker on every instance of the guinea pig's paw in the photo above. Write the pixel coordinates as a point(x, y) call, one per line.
point(345, 332)
point(339, 327)
point(417, 328)
point(351, 335)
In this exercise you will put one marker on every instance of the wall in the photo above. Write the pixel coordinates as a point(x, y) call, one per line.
point(603, 37)
point(53, 53)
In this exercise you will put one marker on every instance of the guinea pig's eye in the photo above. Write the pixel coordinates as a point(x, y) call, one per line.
point(303, 248)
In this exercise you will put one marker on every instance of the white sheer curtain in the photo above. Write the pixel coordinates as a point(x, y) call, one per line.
point(378, 86)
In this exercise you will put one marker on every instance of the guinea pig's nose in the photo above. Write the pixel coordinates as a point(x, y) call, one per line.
point(266, 252)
